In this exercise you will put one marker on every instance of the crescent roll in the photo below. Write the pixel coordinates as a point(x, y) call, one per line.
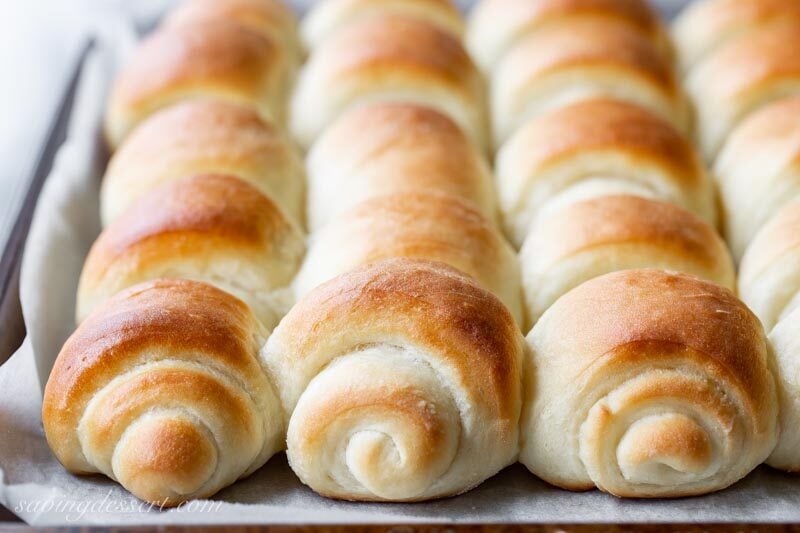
point(769, 274)
point(589, 238)
point(401, 382)
point(215, 58)
point(329, 16)
point(577, 60)
point(389, 57)
point(271, 18)
point(594, 148)
point(759, 170)
point(430, 226)
point(385, 148)
point(741, 77)
point(198, 137)
point(647, 383)
point(707, 25)
point(161, 389)
point(213, 228)
point(495, 26)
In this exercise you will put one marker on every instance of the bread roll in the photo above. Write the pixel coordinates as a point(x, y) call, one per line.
point(590, 238)
point(402, 381)
point(271, 18)
point(430, 226)
point(161, 389)
point(741, 77)
point(212, 228)
point(384, 148)
point(204, 136)
point(495, 26)
point(217, 59)
point(786, 345)
point(595, 148)
point(388, 57)
point(577, 60)
point(328, 16)
point(646, 383)
point(769, 275)
point(759, 170)
point(705, 26)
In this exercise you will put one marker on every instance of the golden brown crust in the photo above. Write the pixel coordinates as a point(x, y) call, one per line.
point(753, 62)
point(759, 170)
point(423, 225)
point(609, 125)
point(195, 222)
point(590, 238)
point(589, 42)
point(188, 320)
point(741, 77)
point(385, 148)
point(272, 18)
point(198, 137)
point(162, 390)
point(619, 220)
point(496, 25)
point(427, 304)
point(326, 18)
point(608, 57)
point(705, 26)
point(650, 384)
point(665, 309)
point(422, 367)
point(214, 58)
point(602, 140)
point(388, 57)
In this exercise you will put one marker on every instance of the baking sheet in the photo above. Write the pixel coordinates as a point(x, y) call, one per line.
point(34, 485)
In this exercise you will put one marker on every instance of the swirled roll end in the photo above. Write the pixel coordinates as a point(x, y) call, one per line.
point(165, 460)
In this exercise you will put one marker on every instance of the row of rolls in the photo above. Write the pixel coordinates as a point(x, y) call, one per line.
point(305, 246)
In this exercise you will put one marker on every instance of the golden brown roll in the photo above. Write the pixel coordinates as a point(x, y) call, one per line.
point(388, 57)
point(161, 389)
point(385, 148)
point(705, 26)
point(646, 383)
point(577, 60)
point(495, 26)
point(741, 77)
point(769, 274)
point(215, 58)
point(595, 148)
point(212, 228)
point(422, 225)
point(199, 137)
point(271, 18)
point(589, 238)
point(402, 380)
point(329, 16)
point(759, 170)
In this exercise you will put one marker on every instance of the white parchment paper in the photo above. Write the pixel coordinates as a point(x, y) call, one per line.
point(35, 486)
